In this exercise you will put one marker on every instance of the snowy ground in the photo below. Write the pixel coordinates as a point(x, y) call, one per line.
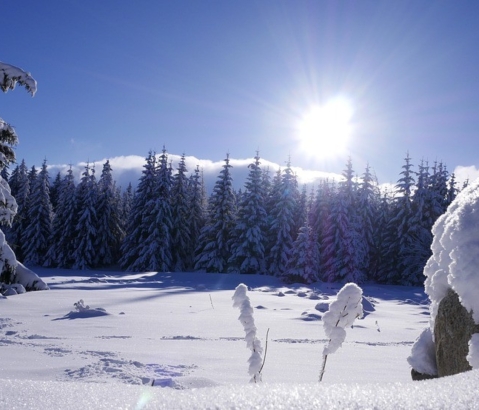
point(180, 333)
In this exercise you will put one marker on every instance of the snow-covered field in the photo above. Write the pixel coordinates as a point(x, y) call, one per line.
point(173, 341)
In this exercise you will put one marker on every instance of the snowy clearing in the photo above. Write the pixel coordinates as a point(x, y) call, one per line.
point(173, 340)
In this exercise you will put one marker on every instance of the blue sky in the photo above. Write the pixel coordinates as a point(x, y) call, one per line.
point(118, 78)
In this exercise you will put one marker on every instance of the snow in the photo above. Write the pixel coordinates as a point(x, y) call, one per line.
point(172, 341)
point(453, 264)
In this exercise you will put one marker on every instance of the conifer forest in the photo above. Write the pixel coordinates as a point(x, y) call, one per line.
point(338, 231)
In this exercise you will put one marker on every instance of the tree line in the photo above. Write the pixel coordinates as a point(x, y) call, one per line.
point(345, 230)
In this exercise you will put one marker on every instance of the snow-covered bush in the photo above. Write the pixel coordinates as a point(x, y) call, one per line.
point(342, 313)
point(80, 306)
point(454, 264)
point(241, 301)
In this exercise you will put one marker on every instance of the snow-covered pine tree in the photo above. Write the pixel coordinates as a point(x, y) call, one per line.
point(346, 248)
point(86, 229)
point(281, 222)
point(196, 216)
point(136, 232)
point(214, 249)
point(403, 226)
point(20, 184)
point(9, 77)
point(155, 250)
point(109, 230)
point(414, 258)
point(384, 239)
point(319, 219)
point(367, 213)
point(40, 213)
point(303, 265)
point(55, 190)
point(126, 203)
point(180, 228)
point(249, 233)
point(62, 240)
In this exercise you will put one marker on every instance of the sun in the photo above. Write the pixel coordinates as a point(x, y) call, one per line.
point(325, 130)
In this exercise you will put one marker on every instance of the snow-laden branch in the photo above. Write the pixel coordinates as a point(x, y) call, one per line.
point(11, 75)
point(241, 301)
point(341, 314)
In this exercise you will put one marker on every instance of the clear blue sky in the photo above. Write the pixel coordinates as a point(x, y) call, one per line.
point(210, 77)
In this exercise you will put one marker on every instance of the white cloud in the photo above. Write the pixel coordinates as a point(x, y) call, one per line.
point(464, 173)
point(128, 169)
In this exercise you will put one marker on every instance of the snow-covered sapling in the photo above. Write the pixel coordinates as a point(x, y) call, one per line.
point(80, 306)
point(241, 301)
point(342, 312)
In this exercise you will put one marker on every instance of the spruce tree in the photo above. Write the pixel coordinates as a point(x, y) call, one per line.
point(281, 222)
point(21, 184)
point(86, 229)
point(109, 230)
point(196, 216)
point(155, 250)
point(345, 247)
point(304, 260)
point(180, 208)
point(402, 226)
point(40, 212)
point(249, 233)
point(136, 232)
point(63, 238)
point(10, 76)
point(214, 249)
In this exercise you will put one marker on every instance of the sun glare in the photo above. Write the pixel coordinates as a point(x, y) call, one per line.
point(325, 130)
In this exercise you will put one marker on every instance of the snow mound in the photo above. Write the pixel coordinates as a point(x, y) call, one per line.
point(83, 312)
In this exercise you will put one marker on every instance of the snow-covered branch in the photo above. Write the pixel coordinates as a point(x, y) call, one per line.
point(11, 75)
point(341, 314)
point(241, 301)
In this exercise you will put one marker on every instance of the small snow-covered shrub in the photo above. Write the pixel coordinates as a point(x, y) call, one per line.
point(342, 313)
point(241, 301)
point(80, 306)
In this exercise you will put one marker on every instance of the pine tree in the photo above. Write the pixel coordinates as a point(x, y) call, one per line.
point(196, 216)
point(63, 238)
point(55, 191)
point(126, 206)
point(214, 250)
point(155, 250)
point(403, 227)
point(414, 257)
point(20, 184)
point(109, 230)
point(10, 76)
point(137, 232)
point(281, 222)
point(86, 229)
point(180, 208)
point(249, 233)
point(344, 240)
point(367, 213)
point(40, 212)
point(304, 261)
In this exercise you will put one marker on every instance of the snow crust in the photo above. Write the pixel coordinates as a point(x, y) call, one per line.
point(455, 392)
